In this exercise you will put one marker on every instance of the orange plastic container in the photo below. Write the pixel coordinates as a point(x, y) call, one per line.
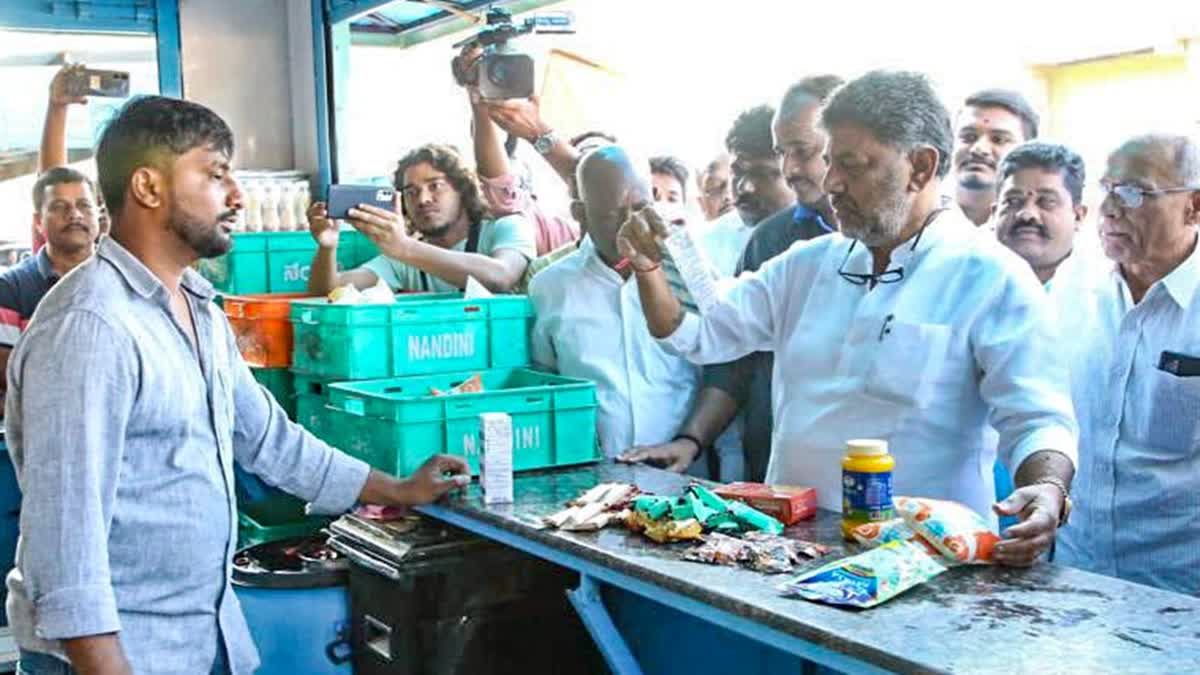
point(263, 328)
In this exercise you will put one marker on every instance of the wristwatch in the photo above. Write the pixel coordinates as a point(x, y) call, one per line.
point(544, 143)
point(1065, 514)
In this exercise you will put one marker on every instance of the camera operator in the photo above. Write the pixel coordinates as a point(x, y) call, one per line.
point(508, 191)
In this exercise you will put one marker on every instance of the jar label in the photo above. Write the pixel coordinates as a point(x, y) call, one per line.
point(867, 497)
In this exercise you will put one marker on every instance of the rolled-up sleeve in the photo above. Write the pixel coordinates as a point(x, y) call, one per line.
point(541, 344)
point(281, 452)
point(742, 321)
point(73, 412)
point(504, 194)
point(1025, 379)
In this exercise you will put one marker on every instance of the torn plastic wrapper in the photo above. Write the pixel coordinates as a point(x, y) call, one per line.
point(867, 579)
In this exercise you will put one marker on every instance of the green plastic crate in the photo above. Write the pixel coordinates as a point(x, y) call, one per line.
point(275, 518)
point(354, 249)
point(279, 382)
point(262, 262)
point(419, 335)
point(312, 393)
point(394, 425)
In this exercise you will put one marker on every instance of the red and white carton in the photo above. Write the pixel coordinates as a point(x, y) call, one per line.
point(786, 503)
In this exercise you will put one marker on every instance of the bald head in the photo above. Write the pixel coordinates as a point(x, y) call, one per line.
point(611, 183)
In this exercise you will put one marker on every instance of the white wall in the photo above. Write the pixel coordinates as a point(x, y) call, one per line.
point(691, 66)
point(237, 60)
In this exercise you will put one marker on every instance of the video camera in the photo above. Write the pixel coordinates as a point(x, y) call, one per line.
point(503, 71)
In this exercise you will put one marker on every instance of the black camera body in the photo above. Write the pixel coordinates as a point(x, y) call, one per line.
point(502, 71)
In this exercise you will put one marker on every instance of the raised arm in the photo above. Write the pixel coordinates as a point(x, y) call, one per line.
point(53, 151)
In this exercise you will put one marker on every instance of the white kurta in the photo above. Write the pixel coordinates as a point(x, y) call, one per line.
point(590, 325)
point(965, 337)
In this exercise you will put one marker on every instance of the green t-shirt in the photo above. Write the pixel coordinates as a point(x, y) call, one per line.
point(512, 232)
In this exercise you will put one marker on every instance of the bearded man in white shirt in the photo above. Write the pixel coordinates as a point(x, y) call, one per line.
point(910, 325)
point(1135, 369)
point(589, 317)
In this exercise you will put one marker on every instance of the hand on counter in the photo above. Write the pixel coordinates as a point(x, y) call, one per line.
point(676, 455)
point(1038, 507)
point(437, 476)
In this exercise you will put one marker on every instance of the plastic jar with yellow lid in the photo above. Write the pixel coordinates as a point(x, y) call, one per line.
point(866, 484)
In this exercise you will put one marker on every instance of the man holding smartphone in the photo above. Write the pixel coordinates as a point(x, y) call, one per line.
point(453, 235)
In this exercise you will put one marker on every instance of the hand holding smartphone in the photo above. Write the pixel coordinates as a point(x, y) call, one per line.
point(342, 198)
point(93, 82)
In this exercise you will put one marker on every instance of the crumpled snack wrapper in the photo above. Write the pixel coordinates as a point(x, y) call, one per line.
point(956, 531)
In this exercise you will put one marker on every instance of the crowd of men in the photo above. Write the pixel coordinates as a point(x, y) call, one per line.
point(894, 271)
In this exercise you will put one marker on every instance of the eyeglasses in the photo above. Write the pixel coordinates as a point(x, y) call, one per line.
point(1132, 196)
point(888, 276)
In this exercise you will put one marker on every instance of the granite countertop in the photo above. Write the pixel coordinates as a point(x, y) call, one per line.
point(970, 619)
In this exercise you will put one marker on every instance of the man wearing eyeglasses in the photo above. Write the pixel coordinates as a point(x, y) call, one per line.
point(64, 216)
point(440, 196)
point(1135, 369)
point(910, 325)
point(716, 189)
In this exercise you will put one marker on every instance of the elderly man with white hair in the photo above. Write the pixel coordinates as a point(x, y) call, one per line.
point(1135, 369)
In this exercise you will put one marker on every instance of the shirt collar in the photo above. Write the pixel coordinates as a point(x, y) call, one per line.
point(597, 265)
point(141, 279)
point(45, 266)
point(1182, 282)
point(803, 212)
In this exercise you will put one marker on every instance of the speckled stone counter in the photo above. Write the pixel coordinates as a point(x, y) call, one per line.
point(1047, 619)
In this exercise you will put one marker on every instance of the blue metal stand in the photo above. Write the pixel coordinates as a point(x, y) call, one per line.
point(604, 632)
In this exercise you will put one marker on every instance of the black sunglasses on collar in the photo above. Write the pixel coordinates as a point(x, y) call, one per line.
point(888, 276)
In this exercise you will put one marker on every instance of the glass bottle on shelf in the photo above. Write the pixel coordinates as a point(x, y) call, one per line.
point(252, 220)
point(270, 207)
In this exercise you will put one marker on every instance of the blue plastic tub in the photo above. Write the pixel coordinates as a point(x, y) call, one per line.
point(299, 619)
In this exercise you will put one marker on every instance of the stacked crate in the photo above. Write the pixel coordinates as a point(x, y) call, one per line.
point(380, 365)
point(258, 279)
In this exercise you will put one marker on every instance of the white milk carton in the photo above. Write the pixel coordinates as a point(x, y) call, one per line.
point(496, 458)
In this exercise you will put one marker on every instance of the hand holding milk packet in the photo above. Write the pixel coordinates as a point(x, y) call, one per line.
point(692, 277)
point(960, 534)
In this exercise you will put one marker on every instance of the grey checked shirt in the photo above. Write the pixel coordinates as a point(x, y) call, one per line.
point(124, 441)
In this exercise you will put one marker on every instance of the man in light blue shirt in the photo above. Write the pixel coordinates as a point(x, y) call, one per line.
point(1134, 349)
point(128, 405)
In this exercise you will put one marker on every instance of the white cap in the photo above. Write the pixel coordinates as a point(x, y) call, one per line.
point(866, 447)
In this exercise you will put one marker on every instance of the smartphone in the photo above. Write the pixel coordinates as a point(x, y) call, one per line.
point(107, 83)
point(1180, 365)
point(342, 198)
